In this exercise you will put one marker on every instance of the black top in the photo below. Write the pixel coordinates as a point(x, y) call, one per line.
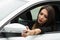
point(45, 29)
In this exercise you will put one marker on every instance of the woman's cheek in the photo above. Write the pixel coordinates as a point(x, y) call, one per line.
point(38, 21)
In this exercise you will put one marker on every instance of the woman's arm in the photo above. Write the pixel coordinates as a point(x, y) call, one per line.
point(31, 32)
point(45, 29)
point(36, 31)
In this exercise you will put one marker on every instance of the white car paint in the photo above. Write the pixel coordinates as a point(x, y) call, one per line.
point(49, 36)
point(14, 28)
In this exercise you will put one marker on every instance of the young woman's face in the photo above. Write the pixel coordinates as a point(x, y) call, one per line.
point(42, 17)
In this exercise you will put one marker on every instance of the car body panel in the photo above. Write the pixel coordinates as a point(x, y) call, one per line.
point(49, 36)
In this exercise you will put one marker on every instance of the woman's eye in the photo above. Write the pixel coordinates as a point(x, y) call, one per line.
point(45, 16)
point(41, 13)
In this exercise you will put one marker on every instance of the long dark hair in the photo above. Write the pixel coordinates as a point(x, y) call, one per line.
point(51, 17)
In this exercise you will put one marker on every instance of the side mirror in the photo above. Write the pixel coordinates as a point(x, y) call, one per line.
point(14, 28)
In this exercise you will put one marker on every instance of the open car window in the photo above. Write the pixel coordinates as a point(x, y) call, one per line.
point(29, 16)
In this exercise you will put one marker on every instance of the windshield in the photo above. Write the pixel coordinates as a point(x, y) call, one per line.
point(8, 6)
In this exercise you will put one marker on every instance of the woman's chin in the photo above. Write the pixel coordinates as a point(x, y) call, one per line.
point(40, 22)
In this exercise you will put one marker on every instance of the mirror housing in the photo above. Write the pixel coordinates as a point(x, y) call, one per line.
point(14, 28)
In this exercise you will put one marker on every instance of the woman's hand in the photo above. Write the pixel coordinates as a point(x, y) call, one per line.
point(29, 32)
point(24, 34)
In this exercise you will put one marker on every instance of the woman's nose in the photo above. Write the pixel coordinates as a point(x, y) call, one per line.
point(42, 17)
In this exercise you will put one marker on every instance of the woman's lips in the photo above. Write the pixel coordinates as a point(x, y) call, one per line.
point(40, 20)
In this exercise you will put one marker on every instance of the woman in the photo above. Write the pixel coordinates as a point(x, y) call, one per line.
point(45, 22)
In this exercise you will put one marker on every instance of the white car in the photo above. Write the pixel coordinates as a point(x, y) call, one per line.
point(16, 14)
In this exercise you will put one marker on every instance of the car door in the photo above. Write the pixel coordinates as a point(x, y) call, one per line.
point(28, 15)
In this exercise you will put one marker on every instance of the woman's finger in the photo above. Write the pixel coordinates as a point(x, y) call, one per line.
point(27, 27)
point(25, 31)
point(23, 35)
